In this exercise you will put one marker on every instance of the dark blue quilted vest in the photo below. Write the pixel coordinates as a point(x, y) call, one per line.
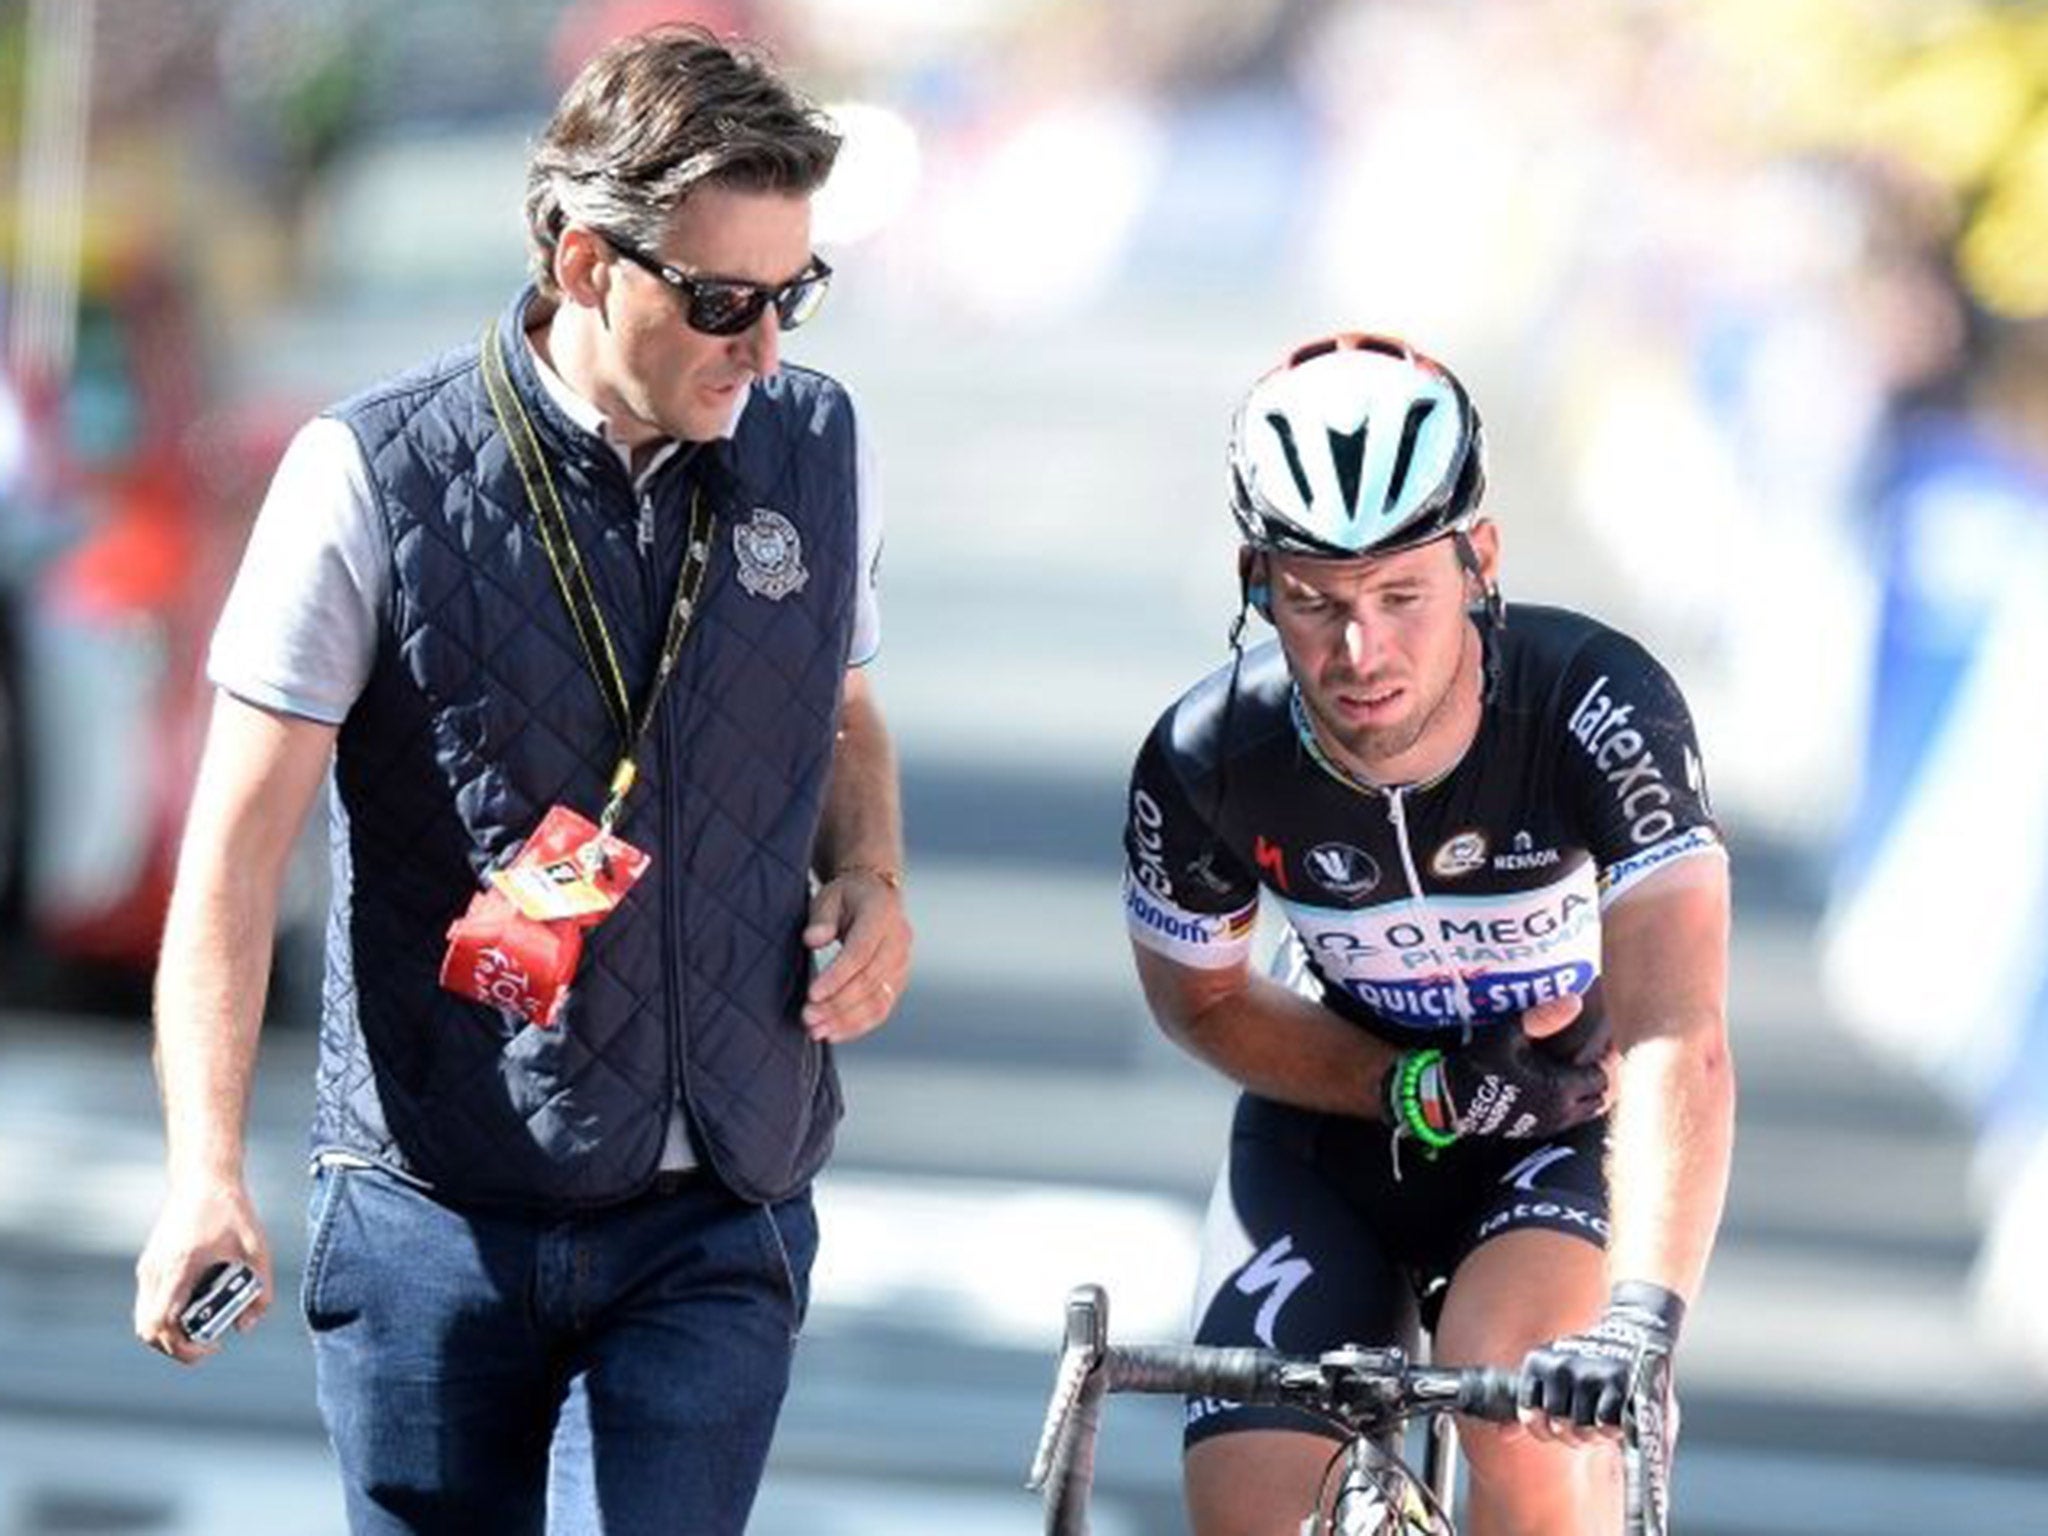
point(481, 712)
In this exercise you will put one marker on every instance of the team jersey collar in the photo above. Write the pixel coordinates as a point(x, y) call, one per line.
point(1305, 731)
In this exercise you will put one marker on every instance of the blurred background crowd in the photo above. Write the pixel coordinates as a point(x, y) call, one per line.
point(1753, 293)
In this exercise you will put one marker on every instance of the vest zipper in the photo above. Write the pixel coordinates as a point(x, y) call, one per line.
point(676, 1022)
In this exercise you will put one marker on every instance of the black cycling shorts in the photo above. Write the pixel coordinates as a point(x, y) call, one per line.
point(1312, 1241)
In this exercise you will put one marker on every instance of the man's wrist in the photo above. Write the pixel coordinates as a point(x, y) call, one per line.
point(206, 1173)
point(889, 874)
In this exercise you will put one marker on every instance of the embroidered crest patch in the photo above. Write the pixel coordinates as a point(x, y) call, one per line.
point(771, 555)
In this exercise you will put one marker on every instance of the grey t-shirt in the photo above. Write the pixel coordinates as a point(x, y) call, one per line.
point(299, 629)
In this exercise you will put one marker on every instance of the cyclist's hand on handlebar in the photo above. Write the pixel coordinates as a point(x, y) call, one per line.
point(1576, 1388)
point(1503, 1084)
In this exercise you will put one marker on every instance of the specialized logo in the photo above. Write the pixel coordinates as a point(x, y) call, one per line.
point(1342, 869)
point(771, 555)
point(1531, 1168)
point(1271, 858)
point(1622, 755)
point(1524, 854)
point(1273, 1270)
point(1460, 856)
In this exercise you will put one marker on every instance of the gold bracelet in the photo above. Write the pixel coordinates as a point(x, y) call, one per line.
point(892, 878)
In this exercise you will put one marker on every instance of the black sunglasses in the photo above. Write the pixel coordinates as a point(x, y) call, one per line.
point(724, 306)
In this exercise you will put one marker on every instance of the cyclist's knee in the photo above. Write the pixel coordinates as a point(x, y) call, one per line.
point(1524, 1485)
point(1501, 1456)
point(1254, 1482)
point(1494, 1315)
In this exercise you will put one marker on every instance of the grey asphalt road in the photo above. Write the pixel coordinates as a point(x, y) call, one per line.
point(1009, 1139)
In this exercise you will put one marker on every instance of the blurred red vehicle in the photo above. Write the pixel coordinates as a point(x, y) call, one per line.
point(124, 502)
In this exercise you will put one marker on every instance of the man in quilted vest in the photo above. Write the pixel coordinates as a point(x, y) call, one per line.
point(577, 614)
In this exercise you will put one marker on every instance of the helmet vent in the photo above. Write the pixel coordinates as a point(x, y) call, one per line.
point(1285, 429)
point(1347, 452)
point(1404, 456)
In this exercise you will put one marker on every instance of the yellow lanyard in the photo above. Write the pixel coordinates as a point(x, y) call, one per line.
point(573, 580)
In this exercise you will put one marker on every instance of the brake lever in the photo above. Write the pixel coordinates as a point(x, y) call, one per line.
point(1086, 1342)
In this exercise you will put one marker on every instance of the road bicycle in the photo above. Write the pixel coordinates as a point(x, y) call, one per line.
point(1368, 1490)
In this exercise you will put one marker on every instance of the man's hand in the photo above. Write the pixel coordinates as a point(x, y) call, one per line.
point(1501, 1085)
point(861, 910)
point(199, 1226)
point(1576, 1389)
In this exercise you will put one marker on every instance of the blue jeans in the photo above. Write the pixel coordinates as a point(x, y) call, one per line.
point(619, 1370)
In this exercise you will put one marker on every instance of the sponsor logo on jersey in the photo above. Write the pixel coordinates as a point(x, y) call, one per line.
point(1342, 869)
point(1184, 930)
point(1516, 930)
point(1513, 949)
point(1203, 872)
point(1148, 845)
point(1622, 755)
point(1460, 856)
point(1550, 1213)
point(1271, 858)
point(1524, 854)
point(1426, 1001)
point(1696, 779)
point(1617, 878)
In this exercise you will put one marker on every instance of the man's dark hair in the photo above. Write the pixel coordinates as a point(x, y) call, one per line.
point(656, 115)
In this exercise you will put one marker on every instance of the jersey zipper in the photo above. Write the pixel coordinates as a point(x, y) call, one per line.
point(1397, 814)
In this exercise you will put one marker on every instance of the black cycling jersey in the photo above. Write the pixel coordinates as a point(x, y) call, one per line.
point(1429, 909)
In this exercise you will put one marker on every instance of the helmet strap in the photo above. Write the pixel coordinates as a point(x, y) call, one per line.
point(1496, 614)
point(1244, 610)
point(1247, 559)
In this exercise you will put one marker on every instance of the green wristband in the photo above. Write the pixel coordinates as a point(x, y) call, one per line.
point(1404, 1093)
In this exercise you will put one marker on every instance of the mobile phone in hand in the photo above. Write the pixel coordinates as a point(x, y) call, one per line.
point(223, 1294)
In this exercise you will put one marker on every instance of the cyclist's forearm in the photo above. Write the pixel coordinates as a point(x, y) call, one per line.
point(1670, 1146)
point(1281, 1046)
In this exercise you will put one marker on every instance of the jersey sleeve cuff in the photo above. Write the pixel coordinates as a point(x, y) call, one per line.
point(1694, 842)
point(1207, 941)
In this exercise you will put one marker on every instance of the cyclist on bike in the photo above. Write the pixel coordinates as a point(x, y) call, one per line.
point(1490, 837)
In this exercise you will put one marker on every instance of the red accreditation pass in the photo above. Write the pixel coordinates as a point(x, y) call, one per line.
point(518, 945)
